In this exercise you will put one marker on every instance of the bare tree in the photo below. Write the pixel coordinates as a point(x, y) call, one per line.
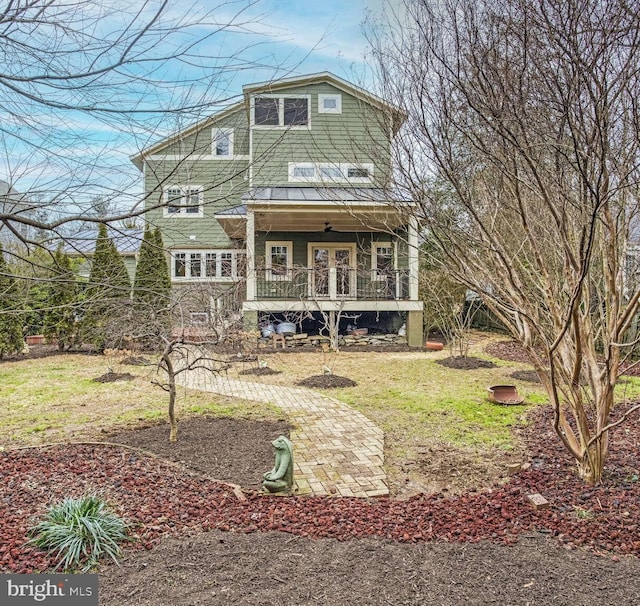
point(446, 309)
point(162, 327)
point(83, 85)
point(180, 355)
point(522, 145)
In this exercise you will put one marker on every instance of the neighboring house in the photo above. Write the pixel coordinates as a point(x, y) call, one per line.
point(82, 244)
point(287, 192)
point(18, 206)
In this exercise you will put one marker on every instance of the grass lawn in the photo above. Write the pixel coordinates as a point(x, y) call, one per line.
point(411, 392)
point(421, 405)
point(56, 399)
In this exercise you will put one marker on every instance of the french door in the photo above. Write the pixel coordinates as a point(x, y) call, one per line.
point(333, 271)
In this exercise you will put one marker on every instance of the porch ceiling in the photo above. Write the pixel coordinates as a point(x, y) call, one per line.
point(329, 218)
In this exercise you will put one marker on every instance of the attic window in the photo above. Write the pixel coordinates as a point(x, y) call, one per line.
point(295, 112)
point(329, 104)
point(281, 111)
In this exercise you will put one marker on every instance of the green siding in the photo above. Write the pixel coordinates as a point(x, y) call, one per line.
point(364, 243)
point(200, 142)
point(359, 135)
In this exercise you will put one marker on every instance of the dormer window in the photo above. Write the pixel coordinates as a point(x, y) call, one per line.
point(281, 111)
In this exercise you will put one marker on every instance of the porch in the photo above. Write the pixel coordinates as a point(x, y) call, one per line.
point(332, 283)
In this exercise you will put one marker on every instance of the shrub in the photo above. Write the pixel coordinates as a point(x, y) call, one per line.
point(80, 531)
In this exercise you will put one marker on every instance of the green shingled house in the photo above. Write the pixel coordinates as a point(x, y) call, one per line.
point(287, 194)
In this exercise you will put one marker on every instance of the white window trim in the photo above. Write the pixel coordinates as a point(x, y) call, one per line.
point(222, 131)
point(375, 276)
point(281, 124)
point(271, 277)
point(332, 246)
point(235, 255)
point(330, 110)
point(343, 167)
point(182, 211)
point(303, 165)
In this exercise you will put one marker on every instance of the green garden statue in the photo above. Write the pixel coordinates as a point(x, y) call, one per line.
point(280, 478)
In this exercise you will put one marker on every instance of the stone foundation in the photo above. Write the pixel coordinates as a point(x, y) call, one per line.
point(298, 340)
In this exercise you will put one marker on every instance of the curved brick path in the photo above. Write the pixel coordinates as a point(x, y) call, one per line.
point(337, 450)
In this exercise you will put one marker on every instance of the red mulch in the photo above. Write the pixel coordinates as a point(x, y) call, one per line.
point(160, 499)
point(514, 352)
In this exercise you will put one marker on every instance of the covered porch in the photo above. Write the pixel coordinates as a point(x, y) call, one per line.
point(328, 248)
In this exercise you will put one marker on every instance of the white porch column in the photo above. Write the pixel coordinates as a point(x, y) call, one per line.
point(251, 256)
point(413, 258)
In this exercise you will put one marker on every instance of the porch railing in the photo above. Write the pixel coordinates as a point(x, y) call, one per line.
point(302, 283)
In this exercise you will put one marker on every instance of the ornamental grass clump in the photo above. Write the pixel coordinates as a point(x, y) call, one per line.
point(80, 532)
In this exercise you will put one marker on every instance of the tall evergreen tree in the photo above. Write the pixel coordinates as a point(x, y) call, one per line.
point(11, 339)
point(62, 292)
point(152, 283)
point(152, 288)
point(108, 291)
point(164, 280)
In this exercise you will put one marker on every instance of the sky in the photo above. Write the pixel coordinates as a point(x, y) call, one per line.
point(320, 35)
point(269, 39)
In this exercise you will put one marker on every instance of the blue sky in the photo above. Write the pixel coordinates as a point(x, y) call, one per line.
point(319, 35)
point(273, 38)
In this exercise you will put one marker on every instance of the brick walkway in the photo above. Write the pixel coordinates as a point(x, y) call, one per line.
point(337, 450)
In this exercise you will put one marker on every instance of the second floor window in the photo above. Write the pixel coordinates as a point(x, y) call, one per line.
point(183, 201)
point(222, 142)
point(330, 172)
point(281, 111)
point(220, 265)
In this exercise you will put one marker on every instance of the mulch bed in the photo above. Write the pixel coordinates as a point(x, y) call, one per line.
point(136, 361)
point(514, 352)
point(112, 377)
point(232, 450)
point(526, 375)
point(162, 499)
point(326, 382)
point(465, 363)
point(508, 350)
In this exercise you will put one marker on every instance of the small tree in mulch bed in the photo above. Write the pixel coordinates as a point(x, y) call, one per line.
point(328, 381)
point(465, 363)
